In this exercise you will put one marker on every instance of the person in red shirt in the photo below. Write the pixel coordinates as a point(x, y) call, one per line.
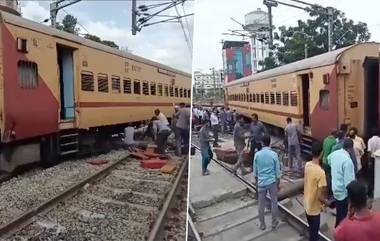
point(361, 224)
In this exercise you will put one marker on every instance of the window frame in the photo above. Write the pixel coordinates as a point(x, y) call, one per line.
point(104, 79)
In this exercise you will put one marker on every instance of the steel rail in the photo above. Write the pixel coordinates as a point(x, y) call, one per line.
point(24, 219)
point(160, 221)
point(253, 188)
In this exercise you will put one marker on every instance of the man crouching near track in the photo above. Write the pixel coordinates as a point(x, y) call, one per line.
point(267, 172)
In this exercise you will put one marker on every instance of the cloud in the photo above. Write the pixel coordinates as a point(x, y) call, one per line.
point(33, 10)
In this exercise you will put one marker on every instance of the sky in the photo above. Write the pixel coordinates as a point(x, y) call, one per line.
point(111, 20)
point(212, 18)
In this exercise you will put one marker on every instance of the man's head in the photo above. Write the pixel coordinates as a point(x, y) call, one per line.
point(266, 140)
point(316, 149)
point(228, 109)
point(182, 105)
point(348, 144)
point(353, 132)
point(255, 117)
point(288, 120)
point(156, 111)
point(357, 195)
point(340, 134)
point(176, 108)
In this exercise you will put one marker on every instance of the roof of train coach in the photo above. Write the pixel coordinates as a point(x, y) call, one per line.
point(25, 23)
point(309, 63)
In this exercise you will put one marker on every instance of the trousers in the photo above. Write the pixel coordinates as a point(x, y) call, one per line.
point(215, 132)
point(273, 193)
point(239, 163)
point(294, 152)
point(162, 138)
point(314, 222)
point(341, 210)
point(206, 157)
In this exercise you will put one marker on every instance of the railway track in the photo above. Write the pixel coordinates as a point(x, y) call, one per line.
point(236, 218)
point(120, 201)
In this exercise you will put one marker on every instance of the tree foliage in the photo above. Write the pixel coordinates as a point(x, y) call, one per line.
point(312, 34)
point(69, 24)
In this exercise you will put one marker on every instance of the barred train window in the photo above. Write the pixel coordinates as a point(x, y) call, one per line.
point(266, 98)
point(171, 91)
point(262, 98)
point(285, 98)
point(176, 91)
point(145, 88)
point(166, 90)
point(127, 86)
point(324, 99)
point(258, 98)
point(136, 87)
point(184, 93)
point(103, 83)
point(152, 88)
point(27, 74)
point(116, 88)
point(181, 92)
point(188, 93)
point(278, 98)
point(272, 100)
point(87, 81)
point(159, 89)
point(253, 97)
point(293, 98)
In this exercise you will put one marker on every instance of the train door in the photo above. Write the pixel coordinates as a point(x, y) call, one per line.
point(371, 95)
point(66, 81)
point(305, 99)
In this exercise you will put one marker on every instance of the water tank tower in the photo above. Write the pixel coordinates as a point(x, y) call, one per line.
point(257, 24)
point(10, 6)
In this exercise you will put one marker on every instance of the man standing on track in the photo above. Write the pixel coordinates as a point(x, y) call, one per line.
point(342, 174)
point(229, 119)
point(314, 191)
point(266, 169)
point(239, 142)
point(223, 120)
point(258, 130)
point(183, 125)
point(204, 139)
point(361, 224)
point(293, 135)
point(215, 127)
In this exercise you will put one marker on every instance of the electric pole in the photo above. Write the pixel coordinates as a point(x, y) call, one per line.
point(134, 13)
point(330, 26)
point(270, 4)
point(57, 5)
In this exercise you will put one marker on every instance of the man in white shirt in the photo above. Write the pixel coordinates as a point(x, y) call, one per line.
point(161, 116)
point(129, 138)
point(373, 146)
point(215, 127)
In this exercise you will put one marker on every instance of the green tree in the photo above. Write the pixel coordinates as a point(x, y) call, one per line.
point(268, 63)
point(110, 43)
point(92, 37)
point(312, 35)
point(69, 24)
point(99, 40)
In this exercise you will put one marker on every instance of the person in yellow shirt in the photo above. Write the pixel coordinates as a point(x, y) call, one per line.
point(314, 191)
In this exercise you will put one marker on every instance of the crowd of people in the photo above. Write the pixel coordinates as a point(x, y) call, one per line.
point(159, 129)
point(339, 174)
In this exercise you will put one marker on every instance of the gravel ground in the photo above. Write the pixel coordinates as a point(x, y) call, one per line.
point(120, 207)
point(30, 189)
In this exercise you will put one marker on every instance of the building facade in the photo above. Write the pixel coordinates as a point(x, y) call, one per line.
point(236, 60)
point(208, 84)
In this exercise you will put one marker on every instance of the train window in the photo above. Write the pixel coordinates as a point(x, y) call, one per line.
point(87, 81)
point(285, 98)
point(152, 88)
point(27, 74)
point(278, 98)
point(136, 87)
point(180, 92)
point(189, 93)
point(266, 98)
point(171, 91)
point(272, 100)
point(253, 98)
point(159, 89)
point(176, 91)
point(262, 98)
point(258, 98)
point(116, 87)
point(324, 99)
point(166, 90)
point(127, 86)
point(103, 83)
point(293, 98)
point(145, 88)
point(184, 93)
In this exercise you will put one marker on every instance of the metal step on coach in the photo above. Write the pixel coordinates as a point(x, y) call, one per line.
point(307, 141)
point(69, 142)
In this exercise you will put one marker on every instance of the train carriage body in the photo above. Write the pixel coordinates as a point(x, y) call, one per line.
point(52, 81)
point(320, 92)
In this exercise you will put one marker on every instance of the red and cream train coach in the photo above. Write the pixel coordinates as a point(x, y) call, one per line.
point(59, 91)
point(320, 92)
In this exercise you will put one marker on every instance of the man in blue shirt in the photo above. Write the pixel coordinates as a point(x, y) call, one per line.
point(342, 174)
point(266, 166)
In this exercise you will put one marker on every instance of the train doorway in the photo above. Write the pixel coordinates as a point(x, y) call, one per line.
point(371, 95)
point(66, 81)
point(305, 99)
